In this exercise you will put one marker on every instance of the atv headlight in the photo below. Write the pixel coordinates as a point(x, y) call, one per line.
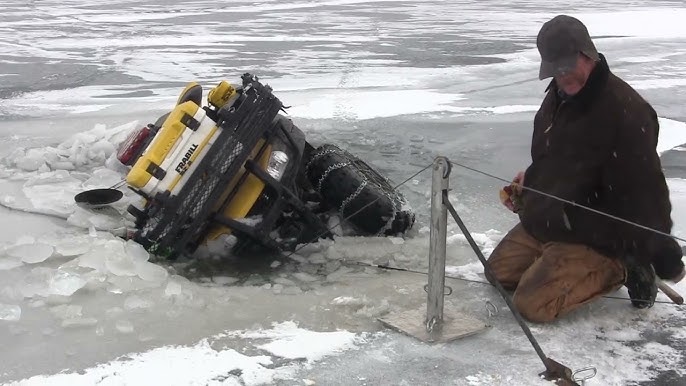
point(277, 164)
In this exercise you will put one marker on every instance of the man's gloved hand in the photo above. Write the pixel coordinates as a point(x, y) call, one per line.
point(668, 260)
point(679, 277)
point(509, 195)
point(640, 283)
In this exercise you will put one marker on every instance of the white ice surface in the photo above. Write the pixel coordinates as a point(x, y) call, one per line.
point(345, 85)
point(121, 268)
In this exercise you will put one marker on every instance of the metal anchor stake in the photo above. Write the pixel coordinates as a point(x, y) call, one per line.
point(554, 371)
point(436, 324)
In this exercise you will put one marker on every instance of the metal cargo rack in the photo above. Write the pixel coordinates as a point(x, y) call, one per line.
point(171, 225)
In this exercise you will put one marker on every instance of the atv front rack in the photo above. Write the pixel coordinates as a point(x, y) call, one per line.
point(169, 224)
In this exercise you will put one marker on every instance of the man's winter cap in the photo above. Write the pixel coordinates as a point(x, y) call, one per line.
point(559, 42)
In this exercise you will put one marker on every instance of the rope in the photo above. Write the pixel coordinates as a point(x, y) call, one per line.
point(389, 268)
point(572, 203)
point(457, 277)
point(515, 312)
point(356, 212)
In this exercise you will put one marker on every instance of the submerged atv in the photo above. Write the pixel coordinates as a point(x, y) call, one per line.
point(238, 167)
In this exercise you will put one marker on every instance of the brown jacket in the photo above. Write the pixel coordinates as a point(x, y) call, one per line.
point(598, 149)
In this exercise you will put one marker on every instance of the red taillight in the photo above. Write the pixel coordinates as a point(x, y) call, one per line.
point(134, 145)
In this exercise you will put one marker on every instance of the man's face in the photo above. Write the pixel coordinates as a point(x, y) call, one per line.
point(571, 82)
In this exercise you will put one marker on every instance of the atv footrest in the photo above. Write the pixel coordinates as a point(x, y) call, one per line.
point(283, 198)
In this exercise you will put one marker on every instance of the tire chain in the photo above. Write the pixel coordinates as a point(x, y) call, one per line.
point(393, 196)
point(351, 197)
point(328, 171)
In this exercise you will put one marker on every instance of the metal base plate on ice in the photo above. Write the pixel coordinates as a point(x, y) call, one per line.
point(453, 326)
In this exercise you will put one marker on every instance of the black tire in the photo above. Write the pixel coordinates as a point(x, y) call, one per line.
point(158, 123)
point(192, 92)
point(359, 193)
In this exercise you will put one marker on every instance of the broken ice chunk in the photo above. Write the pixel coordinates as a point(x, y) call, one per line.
point(31, 253)
point(350, 301)
point(397, 240)
point(62, 165)
point(7, 263)
point(173, 289)
point(67, 311)
point(37, 304)
point(304, 277)
point(32, 161)
point(151, 272)
point(73, 246)
point(180, 290)
point(298, 258)
point(79, 322)
point(95, 259)
point(284, 281)
point(135, 302)
point(291, 291)
point(26, 239)
point(10, 312)
point(317, 258)
point(36, 282)
point(65, 283)
point(224, 280)
point(120, 264)
point(96, 280)
point(277, 288)
point(123, 284)
point(102, 177)
point(136, 251)
point(11, 293)
point(332, 266)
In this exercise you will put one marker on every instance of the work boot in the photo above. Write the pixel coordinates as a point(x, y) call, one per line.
point(640, 281)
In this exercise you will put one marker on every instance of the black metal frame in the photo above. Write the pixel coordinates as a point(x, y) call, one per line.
point(170, 226)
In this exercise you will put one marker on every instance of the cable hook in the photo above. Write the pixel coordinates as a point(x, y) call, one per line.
point(592, 371)
point(492, 309)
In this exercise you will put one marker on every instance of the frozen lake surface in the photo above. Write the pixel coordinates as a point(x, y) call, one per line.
point(395, 82)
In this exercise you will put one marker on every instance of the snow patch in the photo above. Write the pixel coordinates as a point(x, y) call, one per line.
point(672, 134)
point(651, 84)
point(291, 342)
point(204, 364)
point(356, 105)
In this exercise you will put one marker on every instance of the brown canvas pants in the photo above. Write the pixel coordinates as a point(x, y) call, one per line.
point(550, 280)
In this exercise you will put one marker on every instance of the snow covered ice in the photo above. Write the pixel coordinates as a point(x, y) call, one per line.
point(396, 83)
